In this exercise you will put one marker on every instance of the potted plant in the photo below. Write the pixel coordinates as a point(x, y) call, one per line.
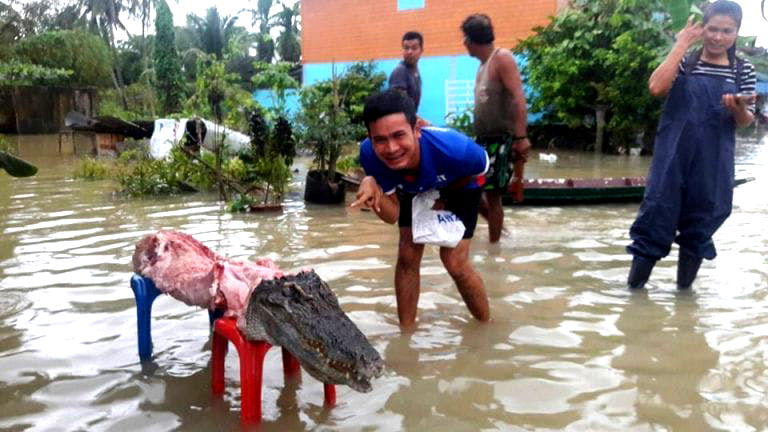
point(331, 117)
point(267, 163)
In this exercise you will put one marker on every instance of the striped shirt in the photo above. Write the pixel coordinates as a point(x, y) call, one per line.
point(748, 77)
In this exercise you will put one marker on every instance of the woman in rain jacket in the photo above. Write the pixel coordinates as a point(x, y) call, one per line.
point(690, 185)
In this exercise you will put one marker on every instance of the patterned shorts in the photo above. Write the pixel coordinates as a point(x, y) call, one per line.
point(502, 161)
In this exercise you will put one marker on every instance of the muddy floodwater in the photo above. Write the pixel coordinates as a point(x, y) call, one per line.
point(569, 347)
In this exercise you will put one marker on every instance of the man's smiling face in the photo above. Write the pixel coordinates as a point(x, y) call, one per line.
point(395, 142)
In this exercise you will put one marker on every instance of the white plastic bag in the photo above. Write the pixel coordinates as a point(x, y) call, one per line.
point(435, 227)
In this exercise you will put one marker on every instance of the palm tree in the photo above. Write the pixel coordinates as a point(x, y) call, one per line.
point(103, 17)
point(265, 46)
point(214, 32)
point(20, 20)
point(10, 28)
point(288, 45)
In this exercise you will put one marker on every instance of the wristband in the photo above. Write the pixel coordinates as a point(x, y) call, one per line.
point(518, 138)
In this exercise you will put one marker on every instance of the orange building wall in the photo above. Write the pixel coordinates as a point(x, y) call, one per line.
point(354, 30)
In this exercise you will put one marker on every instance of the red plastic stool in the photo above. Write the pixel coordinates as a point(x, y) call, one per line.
point(252, 355)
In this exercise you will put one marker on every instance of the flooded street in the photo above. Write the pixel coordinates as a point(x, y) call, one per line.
point(569, 347)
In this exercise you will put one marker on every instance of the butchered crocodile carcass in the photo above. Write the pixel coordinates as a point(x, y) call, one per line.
point(298, 312)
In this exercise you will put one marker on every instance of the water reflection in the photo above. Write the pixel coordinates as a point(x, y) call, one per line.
point(568, 347)
point(665, 354)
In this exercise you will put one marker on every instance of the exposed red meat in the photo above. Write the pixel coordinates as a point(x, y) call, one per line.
point(187, 270)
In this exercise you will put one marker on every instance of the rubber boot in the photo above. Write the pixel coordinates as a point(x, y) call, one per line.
point(687, 267)
point(640, 272)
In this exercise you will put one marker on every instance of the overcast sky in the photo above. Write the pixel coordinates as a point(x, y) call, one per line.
point(752, 25)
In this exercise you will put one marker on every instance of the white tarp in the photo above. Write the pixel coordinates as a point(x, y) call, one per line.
point(168, 132)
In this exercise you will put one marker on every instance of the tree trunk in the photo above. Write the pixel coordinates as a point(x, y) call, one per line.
point(118, 75)
point(600, 134)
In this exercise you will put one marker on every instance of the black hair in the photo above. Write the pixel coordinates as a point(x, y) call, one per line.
point(391, 101)
point(411, 35)
point(724, 7)
point(732, 10)
point(478, 29)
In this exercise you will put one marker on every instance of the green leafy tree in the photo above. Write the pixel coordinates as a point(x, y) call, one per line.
point(589, 67)
point(10, 30)
point(16, 24)
point(213, 32)
point(283, 141)
point(19, 20)
point(167, 65)
point(15, 73)
point(758, 56)
point(258, 129)
point(141, 98)
point(276, 77)
point(331, 113)
point(86, 55)
point(288, 43)
point(103, 18)
point(218, 36)
point(276, 174)
point(680, 10)
point(135, 57)
point(265, 46)
point(358, 82)
point(217, 94)
point(280, 141)
point(238, 56)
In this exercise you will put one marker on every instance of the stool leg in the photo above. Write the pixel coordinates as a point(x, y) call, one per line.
point(291, 364)
point(330, 394)
point(218, 358)
point(215, 314)
point(145, 292)
point(251, 376)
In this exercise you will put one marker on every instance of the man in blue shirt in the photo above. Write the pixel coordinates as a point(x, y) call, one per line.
point(401, 159)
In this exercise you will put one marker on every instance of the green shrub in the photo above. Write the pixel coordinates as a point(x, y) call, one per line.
point(16, 73)
point(462, 121)
point(348, 164)
point(141, 99)
point(94, 169)
point(276, 174)
point(6, 146)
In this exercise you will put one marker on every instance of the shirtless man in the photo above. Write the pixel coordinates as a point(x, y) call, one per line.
point(501, 115)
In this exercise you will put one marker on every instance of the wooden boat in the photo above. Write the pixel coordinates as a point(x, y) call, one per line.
point(579, 191)
point(585, 191)
point(572, 191)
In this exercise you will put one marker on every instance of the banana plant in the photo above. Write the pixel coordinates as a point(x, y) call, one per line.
point(681, 10)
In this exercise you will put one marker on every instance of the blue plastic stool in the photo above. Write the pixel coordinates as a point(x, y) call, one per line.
point(146, 292)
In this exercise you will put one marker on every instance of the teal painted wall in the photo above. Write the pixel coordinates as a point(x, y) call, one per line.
point(266, 99)
point(447, 84)
point(436, 73)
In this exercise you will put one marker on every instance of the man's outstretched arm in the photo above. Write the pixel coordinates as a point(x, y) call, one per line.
point(370, 195)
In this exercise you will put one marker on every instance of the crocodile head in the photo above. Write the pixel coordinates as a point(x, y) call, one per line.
point(301, 314)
